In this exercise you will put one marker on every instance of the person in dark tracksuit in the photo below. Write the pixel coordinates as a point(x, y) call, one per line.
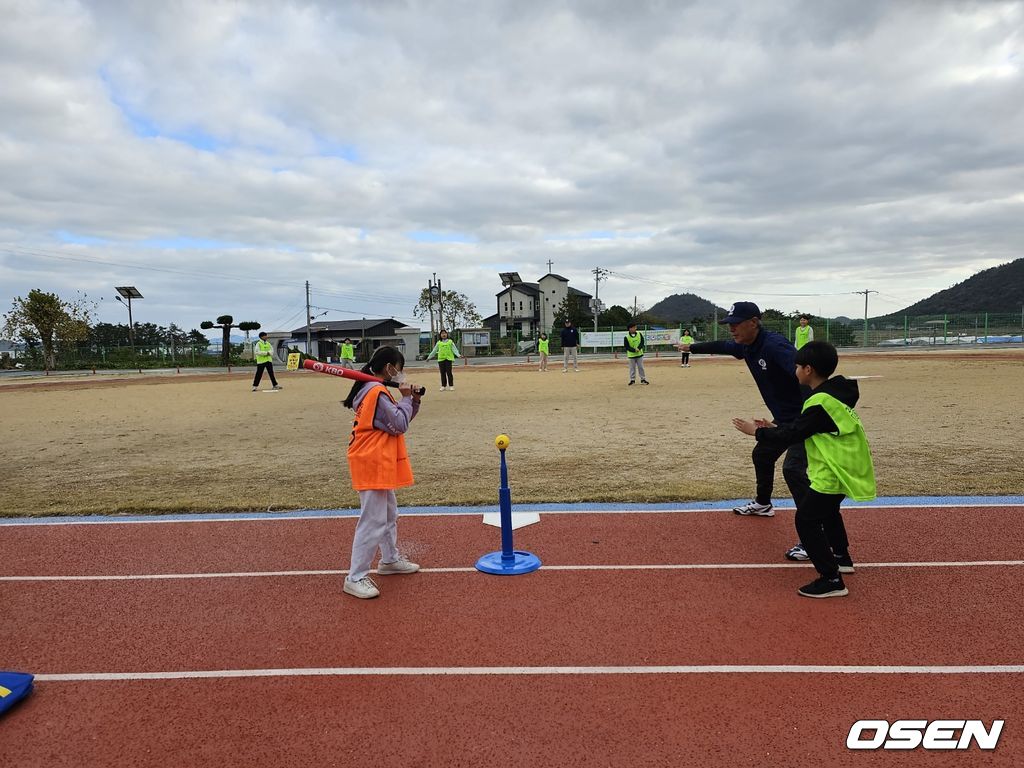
point(838, 463)
point(770, 358)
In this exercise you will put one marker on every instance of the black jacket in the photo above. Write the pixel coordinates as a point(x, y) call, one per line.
point(570, 337)
point(815, 419)
point(771, 358)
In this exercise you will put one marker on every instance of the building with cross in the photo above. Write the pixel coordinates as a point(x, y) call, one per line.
point(528, 309)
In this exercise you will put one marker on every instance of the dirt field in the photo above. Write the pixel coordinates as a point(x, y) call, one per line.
point(938, 424)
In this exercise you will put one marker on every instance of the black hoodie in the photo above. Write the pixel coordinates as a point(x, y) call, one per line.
point(815, 419)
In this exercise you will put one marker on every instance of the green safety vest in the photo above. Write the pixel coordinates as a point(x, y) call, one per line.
point(686, 340)
point(264, 352)
point(802, 335)
point(348, 351)
point(542, 345)
point(634, 344)
point(444, 350)
point(840, 462)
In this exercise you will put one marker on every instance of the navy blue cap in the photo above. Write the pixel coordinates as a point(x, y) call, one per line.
point(740, 311)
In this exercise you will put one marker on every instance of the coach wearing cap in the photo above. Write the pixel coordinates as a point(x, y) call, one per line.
point(771, 358)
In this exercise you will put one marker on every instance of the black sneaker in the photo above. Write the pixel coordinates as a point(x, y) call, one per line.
point(823, 587)
point(632, 383)
point(644, 381)
point(845, 564)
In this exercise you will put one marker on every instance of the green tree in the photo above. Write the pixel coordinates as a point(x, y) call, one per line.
point(47, 319)
point(615, 316)
point(457, 311)
point(572, 308)
point(226, 323)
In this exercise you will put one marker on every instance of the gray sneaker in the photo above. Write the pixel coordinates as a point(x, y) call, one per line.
point(363, 589)
point(401, 565)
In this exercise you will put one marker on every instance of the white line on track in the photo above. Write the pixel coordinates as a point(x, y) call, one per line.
point(657, 567)
point(1008, 669)
point(476, 511)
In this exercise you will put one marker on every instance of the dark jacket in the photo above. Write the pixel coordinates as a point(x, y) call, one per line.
point(570, 337)
point(771, 359)
point(815, 419)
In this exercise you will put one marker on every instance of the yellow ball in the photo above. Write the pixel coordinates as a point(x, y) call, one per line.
point(502, 441)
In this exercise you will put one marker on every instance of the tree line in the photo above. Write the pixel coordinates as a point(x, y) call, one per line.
point(50, 326)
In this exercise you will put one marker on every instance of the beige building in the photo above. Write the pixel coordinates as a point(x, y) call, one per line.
point(529, 308)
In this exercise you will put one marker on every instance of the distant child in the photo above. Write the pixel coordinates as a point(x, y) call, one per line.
point(542, 349)
point(804, 332)
point(264, 355)
point(633, 342)
point(445, 351)
point(838, 463)
point(686, 338)
point(348, 354)
point(379, 464)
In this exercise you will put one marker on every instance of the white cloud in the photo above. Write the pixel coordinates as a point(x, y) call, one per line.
point(732, 149)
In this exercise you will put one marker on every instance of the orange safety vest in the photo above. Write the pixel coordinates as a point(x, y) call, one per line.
point(377, 460)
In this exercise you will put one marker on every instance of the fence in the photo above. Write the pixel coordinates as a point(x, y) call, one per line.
point(963, 329)
point(83, 357)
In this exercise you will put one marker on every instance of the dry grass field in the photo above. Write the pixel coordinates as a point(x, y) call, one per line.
point(939, 424)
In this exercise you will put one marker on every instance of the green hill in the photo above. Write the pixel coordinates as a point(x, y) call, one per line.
point(999, 289)
point(684, 308)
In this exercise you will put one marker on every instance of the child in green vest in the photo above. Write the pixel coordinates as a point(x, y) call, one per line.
point(838, 463)
point(686, 338)
point(348, 354)
point(804, 332)
point(543, 344)
point(445, 351)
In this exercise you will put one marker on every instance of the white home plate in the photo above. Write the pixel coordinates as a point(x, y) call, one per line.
point(519, 519)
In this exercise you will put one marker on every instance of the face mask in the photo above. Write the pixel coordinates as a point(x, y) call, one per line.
point(398, 377)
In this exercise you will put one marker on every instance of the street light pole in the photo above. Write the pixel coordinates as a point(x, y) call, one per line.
point(129, 292)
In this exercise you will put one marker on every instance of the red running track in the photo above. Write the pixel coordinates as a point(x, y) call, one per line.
point(895, 616)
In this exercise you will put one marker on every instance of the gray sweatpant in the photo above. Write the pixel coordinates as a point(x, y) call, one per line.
point(634, 364)
point(377, 528)
point(566, 352)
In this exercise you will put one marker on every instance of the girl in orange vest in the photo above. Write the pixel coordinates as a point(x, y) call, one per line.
point(379, 463)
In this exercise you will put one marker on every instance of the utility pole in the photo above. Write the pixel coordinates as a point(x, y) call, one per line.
point(865, 292)
point(430, 307)
point(599, 275)
point(309, 343)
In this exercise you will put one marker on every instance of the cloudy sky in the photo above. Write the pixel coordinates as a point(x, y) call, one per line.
point(219, 154)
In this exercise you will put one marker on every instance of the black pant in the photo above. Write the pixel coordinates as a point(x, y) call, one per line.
point(686, 358)
point(820, 527)
point(794, 470)
point(446, 373)
point(260, 367)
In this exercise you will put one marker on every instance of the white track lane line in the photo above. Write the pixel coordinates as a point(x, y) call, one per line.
point(474, 512)
point(727, 669)
point(661, 567)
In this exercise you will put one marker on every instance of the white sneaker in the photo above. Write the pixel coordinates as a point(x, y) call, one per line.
point(444, 389)
point(363, 589)
point(401, 565)
point(278, 386)
point(255, 389)
point(452, 387)
point(753, 508)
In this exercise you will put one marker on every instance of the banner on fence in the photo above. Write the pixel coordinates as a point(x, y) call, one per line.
point(614, 338)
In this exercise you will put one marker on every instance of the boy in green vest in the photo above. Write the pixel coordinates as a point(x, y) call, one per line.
point(634, 344)
point(804, 332)
point(838, 463)
point(686, 338)
point(348, 354)
point(264, 354)
point(543, 344)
